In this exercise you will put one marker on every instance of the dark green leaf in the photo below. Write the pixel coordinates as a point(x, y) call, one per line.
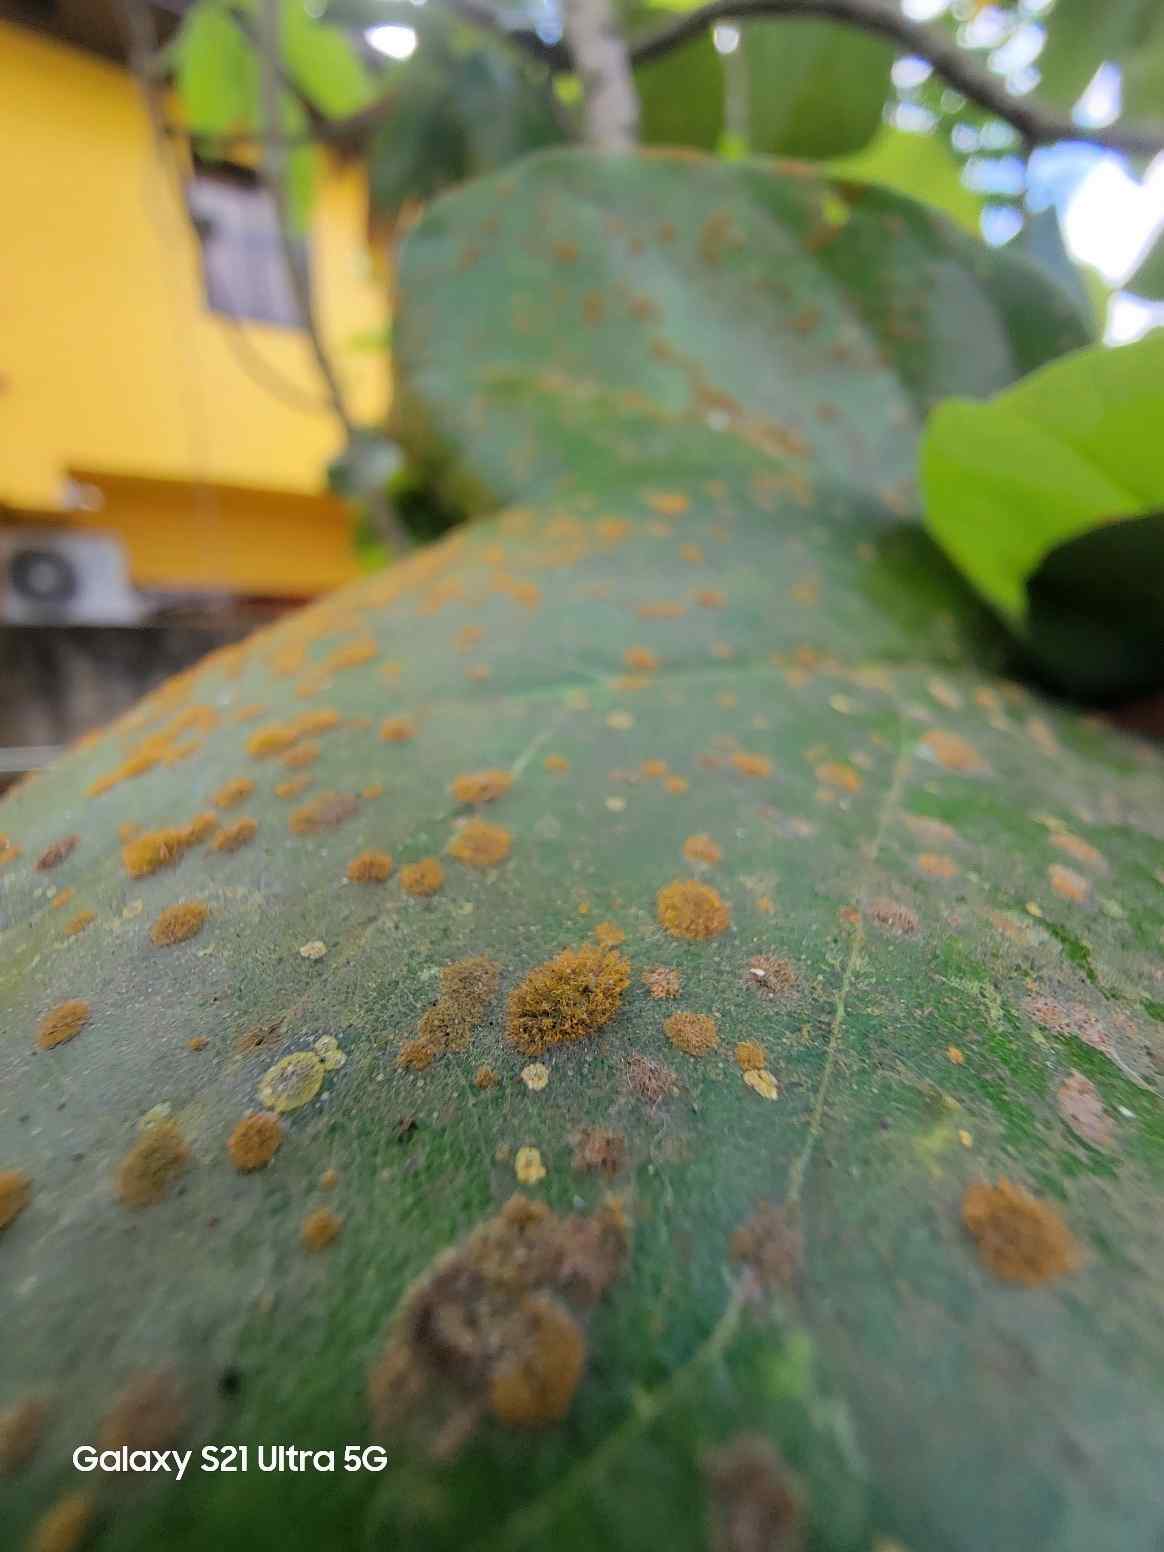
point(815, 89)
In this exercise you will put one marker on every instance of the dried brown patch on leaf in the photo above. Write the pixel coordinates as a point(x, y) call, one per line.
point(701, 848)
point(570, 996)
point(467, 989)
point(1082, 851)
point(15, 1194)
point(149, 1414)
point(599, 1150)
point(754, 1504)
point(693, 1033)
point(179, 922)
point(496, 1325)
point(255, 1141)
point(933, 832)
point(894, 918)
point(57, 852)
point(1082, 1109)
point(1068, 884)
point(770, 1247)
point(775, 979)
point(151, 1166)
point(1020, 1239)
point(953, 753)
point(485, 1078)
point(77, 924)
point(62, 1023)
point(750, 1056)
point(324, 812)
point(650, 1080)
point(688, 909)
point(319, 1229)
point(480, 845)
point(662, 983)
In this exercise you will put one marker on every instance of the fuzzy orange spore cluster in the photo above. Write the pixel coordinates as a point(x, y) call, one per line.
point(750, 1056)
point(62, 1023)
point(64, 1526)
point(481, 786)
point(15, 1192)
point(179, 922)
point(954, 753)
point(1020, 1239)
point(323, 812)
point(467, 989)
point(159, 748)
point(255, 1140)
point(694, 1033)
point(701, 848)
point(570, 996)
point(599, 1150)
point(233, 792)
point(641, 659)
point(278, 737)
point(77, 924)
point(154, 849)
point(495, 1322)
point(233, 837)
point(319, 1229)
point(397, 730)
point(662, 982)
point(480, 845)
point(370, 867)
point(155, 1161)
point(751, 764)
point(422, 878)
point(689, 909)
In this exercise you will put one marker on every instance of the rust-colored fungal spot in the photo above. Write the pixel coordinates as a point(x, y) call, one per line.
point(323, 813)
point(370, 867)
point(54, 855)
point(650, 1080)
point(496, 1325)
point(1068, 884)
point(954, 753)
point(329, 1180)
point(893, 917)
point(750, 1056)
point(271, 740)
point(485, 1078)
point(936, 864)
point(609, 934)
point(833, 773)
point(416, 1055)
point(320, 1228)
point(21, 1426)
point(693, 1033)
point(15, 1193)
point(397, 730)
point(422, 878)
point(467, 989)
point(178, 922)
point(62, 898)
point(770, 1247)
point(149, 1414)
point(641, 659)
point(292, 788)
point(1082, 1109)
point(62, 1023)
point(701, 848)
point(754, 1502)
point(301, 756)
point(1077, 848)
point(775, 979)
point(751, 764)
point(232, 793)
point(675, 784)
point(255, 1141)
point(598, 1150)
point(1020, 1239)
point(65, 1526)
point(556, 763)
point(662, 982)
point(155, 1161)
point(233, 837)
point(689, 909)
point(480, 845)
point(77, 924)
point(481, 786)
point(292, 1082)
point(570, 996)
point(934, 832)
point(155, 849)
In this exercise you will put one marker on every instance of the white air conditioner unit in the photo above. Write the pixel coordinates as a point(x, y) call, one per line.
point(62, 576)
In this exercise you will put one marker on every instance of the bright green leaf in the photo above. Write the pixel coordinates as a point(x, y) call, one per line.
point(1006, 482)
point(216, 72)
point(920, 166)
point(323, 64)
point(815, 89)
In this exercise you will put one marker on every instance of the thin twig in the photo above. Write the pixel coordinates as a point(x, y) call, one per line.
point(1037, 125)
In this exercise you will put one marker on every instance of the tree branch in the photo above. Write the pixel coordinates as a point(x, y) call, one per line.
point(610, 101)
point(1036, 124)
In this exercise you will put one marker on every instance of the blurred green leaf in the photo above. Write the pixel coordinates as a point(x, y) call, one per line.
point(921, 166)
point(1041, 242)
point(1008, 482)
point(323, 63)
point(815, 89)
point(1082, 34)
point(1148, 279)
point(216, 72)
point(681, 96)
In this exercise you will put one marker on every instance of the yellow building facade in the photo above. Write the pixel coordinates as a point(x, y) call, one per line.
point(205, 438)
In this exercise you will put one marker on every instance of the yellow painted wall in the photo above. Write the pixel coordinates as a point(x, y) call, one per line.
point(109, 359)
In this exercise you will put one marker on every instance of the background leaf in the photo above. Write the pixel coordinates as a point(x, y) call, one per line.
point(216, 72)
point(815, 89)
point(918, 165)
point(681, 96)
point(323, 63)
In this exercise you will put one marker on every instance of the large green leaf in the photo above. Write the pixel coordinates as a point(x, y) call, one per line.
point(681, 96)
point(815, 89)
point(323, 63)
point(921, 166)
point(215, 71)
point(1007, 482)
point(704, 640)
point(1081, 35)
